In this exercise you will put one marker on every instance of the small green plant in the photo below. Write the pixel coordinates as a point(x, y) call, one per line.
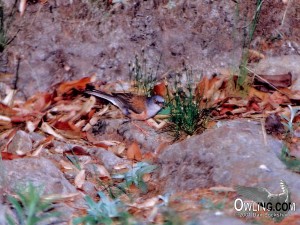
point(290, 162)
point(135, 176)
point(105, 211)
point(171, 217)
point(74, 159)
point(289, 121)
point(186, 115)
point(209, 204)
point(143, 77)
point(242, 81)
point(30, 207)
point(3, 38)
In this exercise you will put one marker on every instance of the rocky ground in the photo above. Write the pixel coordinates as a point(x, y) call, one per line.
point(71, 146)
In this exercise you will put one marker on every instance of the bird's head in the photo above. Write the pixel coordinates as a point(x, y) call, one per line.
point(158, 100)
point(154, 105)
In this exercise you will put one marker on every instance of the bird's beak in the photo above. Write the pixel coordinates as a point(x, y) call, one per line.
point(161, 104)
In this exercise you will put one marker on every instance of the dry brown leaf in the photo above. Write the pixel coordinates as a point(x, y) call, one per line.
point(149, 203)
point(261, 95)
point(209, 90)
point(22, 7)
point(31, 126)
point(66, 165)
point(123, 166)
point(78, 85)
point(6, 110)
point(80, 179)
point(147, 177)
point(47, 129)
point(64, 107)
point(61, 197)
point(271, 82)
point(42, 144)
point(38, 102)
point(239, 110)
point(10, 156)
point(8, 100)
point(101, 171)
point(86, 107)
point(117, 149)
point(254, 55)
point(5, 118)
point(134, 152)
point(278, 98)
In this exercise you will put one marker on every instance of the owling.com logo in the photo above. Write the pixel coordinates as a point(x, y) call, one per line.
point(264, 203)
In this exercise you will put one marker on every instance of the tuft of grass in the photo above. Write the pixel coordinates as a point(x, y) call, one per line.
point(249, 31)
point(3, 38)
point(209, 204)
point(105, 211)
point(74, 159)
point(135, 176)
point(290, 162)
point(186, 115)
point(143, 77)
point(288, 123)
point(30, 207)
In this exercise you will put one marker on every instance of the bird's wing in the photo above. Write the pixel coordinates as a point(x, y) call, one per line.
point(108, 97)
point(256, 194)
point(135, 103)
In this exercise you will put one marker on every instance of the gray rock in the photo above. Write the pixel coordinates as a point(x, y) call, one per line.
point(90, 189)
point(40, 172)
point(233, 154)
point(128, 131)
point(103, 39)
point(20, 144)
point(107, 158)
point(4, 209)
point(279, 65)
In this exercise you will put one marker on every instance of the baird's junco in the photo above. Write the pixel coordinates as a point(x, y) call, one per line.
point(136, 107)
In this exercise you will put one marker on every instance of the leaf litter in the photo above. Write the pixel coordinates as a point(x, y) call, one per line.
point(66, 115)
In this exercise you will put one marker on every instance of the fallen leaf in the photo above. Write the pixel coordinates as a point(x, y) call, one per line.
point(22, 7)
point(10, 156)
point(271, 82)
point(38, 102)
point(134, 152)
point(80, 179)
point(149, 203)
point(47, 129)
point(6, 110)
point(254, 55)
point(8, 100)
point(101, 171)
point(60, 197)
point(67, 165)
point(5, 118)
point(43, 144)
point(78, 85)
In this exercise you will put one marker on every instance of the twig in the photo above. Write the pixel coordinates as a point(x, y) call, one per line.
point(17, 74)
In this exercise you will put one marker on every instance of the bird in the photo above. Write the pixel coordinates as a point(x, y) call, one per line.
point(136, 107)
point(263, 197)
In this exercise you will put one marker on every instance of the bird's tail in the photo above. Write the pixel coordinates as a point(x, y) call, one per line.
point(99, 94)
point(103, 95)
